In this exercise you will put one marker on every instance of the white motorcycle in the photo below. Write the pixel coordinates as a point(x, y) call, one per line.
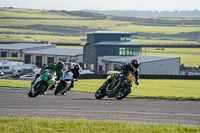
point(65, 82)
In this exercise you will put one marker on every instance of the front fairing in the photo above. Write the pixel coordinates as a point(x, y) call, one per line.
point(67, 75)
point(49, 77)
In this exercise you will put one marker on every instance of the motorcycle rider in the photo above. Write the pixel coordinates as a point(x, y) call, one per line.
point(125, 69)
point(56, 67)
point(75, 69)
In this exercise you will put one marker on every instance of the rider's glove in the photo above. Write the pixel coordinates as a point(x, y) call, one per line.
point(137, 82)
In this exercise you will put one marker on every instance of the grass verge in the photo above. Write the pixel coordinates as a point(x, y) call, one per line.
point(55, 125)
point(148, 88)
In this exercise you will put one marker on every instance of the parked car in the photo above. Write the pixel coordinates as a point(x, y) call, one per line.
point(2, 73)
point(27, 77)
point(86, 72)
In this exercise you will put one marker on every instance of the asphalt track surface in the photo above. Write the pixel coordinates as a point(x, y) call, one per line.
point(15, 102)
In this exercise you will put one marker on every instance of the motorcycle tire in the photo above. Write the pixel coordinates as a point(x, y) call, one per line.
point(39, 89)
point(100, 93)
point(60, 87)
point(122, 95)
point(30, 94)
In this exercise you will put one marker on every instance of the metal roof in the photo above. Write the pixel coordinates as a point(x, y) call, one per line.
point(142, 59)
point(57, 51)
point(116, 43)
point(109, 32)
point(19, 46)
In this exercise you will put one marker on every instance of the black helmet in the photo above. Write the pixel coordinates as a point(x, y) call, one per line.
point(77, 67)
point(135, 63)
point(60, 65)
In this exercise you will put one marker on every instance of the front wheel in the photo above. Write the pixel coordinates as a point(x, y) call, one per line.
point(100, 93)
point(120, 95)
point(38, 89)
point(60, 87)
point(30, 93)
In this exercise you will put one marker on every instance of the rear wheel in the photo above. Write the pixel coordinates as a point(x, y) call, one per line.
point(100, 93)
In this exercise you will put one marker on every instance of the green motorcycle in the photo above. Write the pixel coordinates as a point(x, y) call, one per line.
point(45, 81)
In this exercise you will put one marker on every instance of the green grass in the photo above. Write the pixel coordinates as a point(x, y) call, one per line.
point(32, 13)
point(55, 125)
point(164, 42)
point(27, 36)
point(72, 23)
point(148, 88)
point(164, 50)
point(167, 89)
point(39, 38)
point(101, 24)
point(24, 31)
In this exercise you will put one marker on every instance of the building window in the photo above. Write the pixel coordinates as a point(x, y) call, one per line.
point(117, 67)
point(125, 39)
point(63, 59)
point(129, 51)
point(122, 51)
point(6, 67)
point(14, 54)
point(39, 61)
point(3, 54)
point(27, 58)
point(50, 60)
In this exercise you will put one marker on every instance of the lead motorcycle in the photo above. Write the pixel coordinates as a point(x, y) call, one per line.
point(46, 80)
point(65, 82)
point(118, 89)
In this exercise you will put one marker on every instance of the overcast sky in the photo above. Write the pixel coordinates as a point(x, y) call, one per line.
point(142, 5)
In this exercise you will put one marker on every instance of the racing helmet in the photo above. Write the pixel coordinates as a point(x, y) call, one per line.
point(135, 63)
point(76, 67)
point(60, 65)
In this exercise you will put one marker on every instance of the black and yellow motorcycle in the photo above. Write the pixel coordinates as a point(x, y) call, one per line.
point(118, 88)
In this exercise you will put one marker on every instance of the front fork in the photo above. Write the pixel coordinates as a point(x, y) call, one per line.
point(123, 81)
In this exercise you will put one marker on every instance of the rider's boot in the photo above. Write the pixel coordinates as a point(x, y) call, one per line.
point(72, 85)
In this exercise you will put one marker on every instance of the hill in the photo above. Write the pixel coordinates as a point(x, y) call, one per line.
point(152, 14)
point(30, 25)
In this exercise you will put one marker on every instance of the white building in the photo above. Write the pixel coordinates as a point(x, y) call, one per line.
point(17, 49)
point(46, 56)
point(148, 64)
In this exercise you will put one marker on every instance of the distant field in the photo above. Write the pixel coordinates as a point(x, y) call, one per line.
point(165, 50)
point(164, 42)
point(32, 13)
point(24, 36)
point(157, 29)
point(29, 25)
point(99, 24)
point(38, 38)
